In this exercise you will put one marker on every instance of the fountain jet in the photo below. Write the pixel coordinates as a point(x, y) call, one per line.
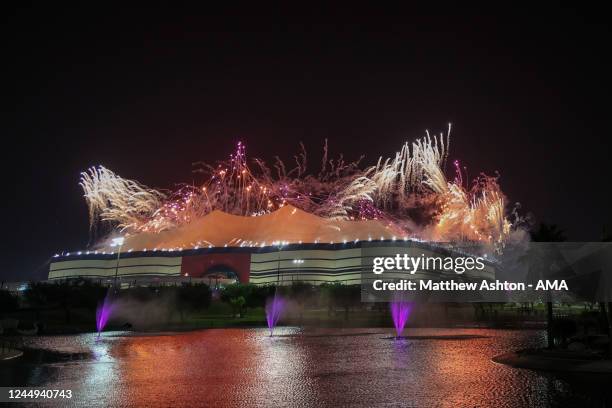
point(103, 313)
point(274, 309)
point(400, 310)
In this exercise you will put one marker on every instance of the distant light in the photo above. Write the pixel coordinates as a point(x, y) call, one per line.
point(117, 241)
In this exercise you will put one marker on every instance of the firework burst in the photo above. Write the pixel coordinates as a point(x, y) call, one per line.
point(409, 191)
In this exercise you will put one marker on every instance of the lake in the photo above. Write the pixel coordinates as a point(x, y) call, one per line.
point(322, 367)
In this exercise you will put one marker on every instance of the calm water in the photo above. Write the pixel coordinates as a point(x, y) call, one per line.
point(334, 367)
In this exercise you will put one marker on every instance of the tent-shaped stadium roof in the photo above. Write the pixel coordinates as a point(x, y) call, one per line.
point(287, 224)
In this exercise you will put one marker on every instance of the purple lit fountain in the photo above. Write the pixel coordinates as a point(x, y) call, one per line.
point(274, 309)
point(103, 312)
point(400, 310)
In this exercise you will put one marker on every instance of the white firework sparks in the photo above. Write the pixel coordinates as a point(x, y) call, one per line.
point(395, 189)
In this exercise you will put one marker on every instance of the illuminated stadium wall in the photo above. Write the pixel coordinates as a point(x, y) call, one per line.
point(95, 268)
point(311, 263)
point(307, 265)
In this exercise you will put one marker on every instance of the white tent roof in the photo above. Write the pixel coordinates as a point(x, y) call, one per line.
point(287, 224)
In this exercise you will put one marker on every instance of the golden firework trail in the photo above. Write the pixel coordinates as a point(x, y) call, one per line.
point(409, 190)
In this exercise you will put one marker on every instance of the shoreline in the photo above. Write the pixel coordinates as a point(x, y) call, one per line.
point(10, 354)
point(570, 363)
point(226, 322)
point(250, 325)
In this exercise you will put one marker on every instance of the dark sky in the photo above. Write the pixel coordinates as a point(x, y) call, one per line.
point(148, 92)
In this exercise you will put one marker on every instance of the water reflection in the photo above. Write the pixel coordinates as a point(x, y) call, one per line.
point(325, 367)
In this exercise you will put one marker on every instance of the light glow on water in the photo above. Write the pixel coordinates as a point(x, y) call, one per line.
point(315, 367)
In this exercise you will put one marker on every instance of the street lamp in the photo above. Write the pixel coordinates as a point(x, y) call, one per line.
point(280, 246)
point(298, 262)
point(117, 242)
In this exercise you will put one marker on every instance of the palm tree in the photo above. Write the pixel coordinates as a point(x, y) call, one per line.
point(606, 237)
point(548, 233)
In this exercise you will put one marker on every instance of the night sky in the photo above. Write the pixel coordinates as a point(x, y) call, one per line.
point(148, 92)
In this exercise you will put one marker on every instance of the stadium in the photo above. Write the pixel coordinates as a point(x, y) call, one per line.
point(281, 247)
point(255, 226)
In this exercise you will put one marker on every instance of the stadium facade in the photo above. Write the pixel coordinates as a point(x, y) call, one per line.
point(283, 247)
